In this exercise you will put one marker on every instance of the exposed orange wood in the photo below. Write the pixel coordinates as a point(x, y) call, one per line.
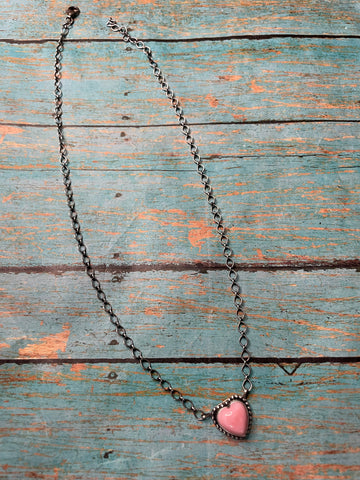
point(48, 346)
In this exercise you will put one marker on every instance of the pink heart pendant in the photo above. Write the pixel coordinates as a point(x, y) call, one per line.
point(233, 417)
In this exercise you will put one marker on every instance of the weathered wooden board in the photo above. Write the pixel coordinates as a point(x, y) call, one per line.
point(181, 314)
point(302, 215)
point(183, 18)
point(315, 148)
point(74, 422)
point(216, 81)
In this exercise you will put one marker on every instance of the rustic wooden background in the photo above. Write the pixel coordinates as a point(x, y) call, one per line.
point(271, 90)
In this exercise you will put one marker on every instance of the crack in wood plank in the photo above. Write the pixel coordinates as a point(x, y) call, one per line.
point(282, 362)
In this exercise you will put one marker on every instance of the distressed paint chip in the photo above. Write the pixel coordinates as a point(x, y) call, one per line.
point(199, 231)
point(78, 367)
point(9, 130)
point(49, 346)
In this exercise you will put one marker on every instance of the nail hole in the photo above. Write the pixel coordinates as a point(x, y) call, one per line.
point(117, 278)
point(106, 454)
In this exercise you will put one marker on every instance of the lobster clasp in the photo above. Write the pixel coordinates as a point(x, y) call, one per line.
point(111, 22)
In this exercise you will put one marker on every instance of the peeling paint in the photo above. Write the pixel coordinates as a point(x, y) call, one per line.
point(49, 346)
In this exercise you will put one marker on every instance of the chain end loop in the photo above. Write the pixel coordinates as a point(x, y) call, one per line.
point(73, 12)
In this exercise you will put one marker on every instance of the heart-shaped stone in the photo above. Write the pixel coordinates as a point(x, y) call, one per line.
point(233, 417)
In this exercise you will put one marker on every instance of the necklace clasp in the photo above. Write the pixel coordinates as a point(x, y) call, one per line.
point(73, 12)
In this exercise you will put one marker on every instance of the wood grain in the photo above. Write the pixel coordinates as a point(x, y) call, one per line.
point(74, 422)
point(300, 215)
point(287, 230)
point(299, 148)
point(216, 81)
point(180, 314)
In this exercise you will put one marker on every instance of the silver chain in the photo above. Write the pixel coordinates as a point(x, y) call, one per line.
point(145, 363)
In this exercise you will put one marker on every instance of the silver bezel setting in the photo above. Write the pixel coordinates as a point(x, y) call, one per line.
point(225, 403)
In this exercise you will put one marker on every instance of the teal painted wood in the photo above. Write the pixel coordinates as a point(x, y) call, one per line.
point(304, 149)
point(181, 314)
point(301, 216)
point(74, 422)
point(290, 214)
point(184, 19)
point(112, 84)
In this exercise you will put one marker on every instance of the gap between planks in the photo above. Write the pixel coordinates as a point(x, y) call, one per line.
point(189, 360)
point(182, 40)
point(202, 267)
point(193, 124)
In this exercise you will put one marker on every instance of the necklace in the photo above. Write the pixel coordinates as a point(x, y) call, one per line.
point(233, 416)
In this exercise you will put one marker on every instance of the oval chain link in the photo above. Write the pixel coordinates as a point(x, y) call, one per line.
point(145, 363)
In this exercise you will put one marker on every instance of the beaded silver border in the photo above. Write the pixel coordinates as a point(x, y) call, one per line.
point(225, 403)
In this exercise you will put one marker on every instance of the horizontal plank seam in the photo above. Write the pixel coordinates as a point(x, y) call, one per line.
point(202, 267)
point(180, 170)
point(194, 124)
point(188, 360)
point(185, 40)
